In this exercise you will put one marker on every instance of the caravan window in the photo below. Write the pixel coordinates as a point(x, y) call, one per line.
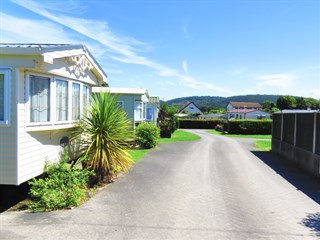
point(138, 112)
point(85, 99)
point(4, 96)
point(75, 101)
point(55, 100)
point(39, 99)
point(61, 100)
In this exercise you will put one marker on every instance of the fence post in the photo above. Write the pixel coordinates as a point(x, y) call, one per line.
point(295, 130)
point(281, 135)
point(314, 132)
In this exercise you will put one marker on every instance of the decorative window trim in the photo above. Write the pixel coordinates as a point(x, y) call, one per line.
point(7, 93)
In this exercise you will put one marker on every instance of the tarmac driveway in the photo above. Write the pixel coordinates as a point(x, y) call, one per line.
point(213, 188)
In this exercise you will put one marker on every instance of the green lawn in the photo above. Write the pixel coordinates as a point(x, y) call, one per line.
point(239, 135)
point(177, 136)
point(263, 145)
point(137, 154)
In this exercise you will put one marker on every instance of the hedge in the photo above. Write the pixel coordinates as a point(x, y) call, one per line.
point(200, 123)
point(250, 126)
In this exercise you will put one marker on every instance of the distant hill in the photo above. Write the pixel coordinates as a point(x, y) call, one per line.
point(209, 102)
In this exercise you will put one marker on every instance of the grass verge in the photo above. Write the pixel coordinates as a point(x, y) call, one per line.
point(137, 154)
point(239, 135)
point(263, 145)
point(180, 136)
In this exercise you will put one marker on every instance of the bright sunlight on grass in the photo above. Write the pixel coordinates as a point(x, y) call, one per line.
point(239, 135)
point(263, 145)
point(137, 154)
point(177, 136)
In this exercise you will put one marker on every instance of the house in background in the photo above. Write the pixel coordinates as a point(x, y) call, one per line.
point(243, 105)
point(44, 89)
point(246, 110)
point(189, 108)
point(136, 102)
point(247, 114)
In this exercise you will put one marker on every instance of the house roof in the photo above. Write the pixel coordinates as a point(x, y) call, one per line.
point(154, 100)
point(52, 51)
point(244, 111)
point(241, 111)
point(186, 105)
point(130, 91)
point(246, 104)
point(297, 111)
point(212, 115)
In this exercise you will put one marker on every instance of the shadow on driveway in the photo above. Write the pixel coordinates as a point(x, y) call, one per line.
point(312, 221)
point(11, 195)
point(302, 181)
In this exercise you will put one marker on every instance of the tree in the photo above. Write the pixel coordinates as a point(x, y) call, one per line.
point(301, 103)
point(268, 105)
point(312, 103)
point(102, 136)
point(286, 102)
point(167, 120)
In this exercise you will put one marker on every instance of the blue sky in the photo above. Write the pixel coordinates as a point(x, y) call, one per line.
point(178, 48)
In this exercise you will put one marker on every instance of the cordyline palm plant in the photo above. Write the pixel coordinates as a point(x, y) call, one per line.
point(102, 137)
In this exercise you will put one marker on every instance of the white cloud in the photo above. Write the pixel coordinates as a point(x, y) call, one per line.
point(185, 28)
point(97, 30)
point(281, 80)
point(13, 29)
point(119, 48)
point(198, 85)
point(185, 66)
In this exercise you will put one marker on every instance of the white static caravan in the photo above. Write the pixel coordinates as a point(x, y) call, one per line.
point(44, 89)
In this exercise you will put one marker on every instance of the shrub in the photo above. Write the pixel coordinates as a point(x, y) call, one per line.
point(147, 135)
point(200, 123)
point(219, 127)
point(61, 188)
point(250, 126)
point(102, 137)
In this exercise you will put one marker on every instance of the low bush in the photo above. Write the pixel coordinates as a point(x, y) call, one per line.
point(250, 126)
point(220, 127)
point(62, 187)
point(200, 123)
point(147, 135)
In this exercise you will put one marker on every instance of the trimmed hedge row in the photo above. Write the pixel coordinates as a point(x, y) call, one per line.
point(200, 123)
point(250, 126)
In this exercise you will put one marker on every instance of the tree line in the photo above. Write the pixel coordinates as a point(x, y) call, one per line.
point(290, 102)
point(270, 103)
